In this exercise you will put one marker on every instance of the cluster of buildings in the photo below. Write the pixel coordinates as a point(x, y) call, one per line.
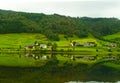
point(76, 44)
point(38, 45)
point(91, 44)
point(85, 44)
point(112, 45)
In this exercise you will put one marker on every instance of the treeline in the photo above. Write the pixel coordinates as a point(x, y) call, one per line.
point(53, 25)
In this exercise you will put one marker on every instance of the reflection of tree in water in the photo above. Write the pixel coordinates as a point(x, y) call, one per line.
point(53, 55)
point(80, 72)
point(37, 56)
point(117, 59)
point(53, 60)
point(110, 57)
point(19, 55)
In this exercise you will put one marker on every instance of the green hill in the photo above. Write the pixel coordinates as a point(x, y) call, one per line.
point(53, 25)
point(23, 39)
point(112, 36)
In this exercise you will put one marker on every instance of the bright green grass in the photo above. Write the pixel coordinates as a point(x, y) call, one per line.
point(23, 39)
point(23, 61)
point(64, 42)
point(113, 36)
point(19, 60)
point(109, 64)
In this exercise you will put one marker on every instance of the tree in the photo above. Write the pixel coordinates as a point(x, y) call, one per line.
point(54, 47)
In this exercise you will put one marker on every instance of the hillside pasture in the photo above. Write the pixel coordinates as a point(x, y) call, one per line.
point(23, 39)
point(113, 36)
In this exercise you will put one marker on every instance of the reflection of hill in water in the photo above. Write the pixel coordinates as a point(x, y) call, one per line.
point(38, 60)
point(57, 68)
point(77, 57)
point(51, 73)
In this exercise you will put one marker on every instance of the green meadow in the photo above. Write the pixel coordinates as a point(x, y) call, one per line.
point(24, 39)
point(113, 36)
point(20, 66)
point(14, 40)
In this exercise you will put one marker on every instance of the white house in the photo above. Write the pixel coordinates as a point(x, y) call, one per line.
point(29, 47)
point(43, 46)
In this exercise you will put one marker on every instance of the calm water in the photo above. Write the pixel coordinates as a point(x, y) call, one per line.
point(91, 82)
point(58, 68)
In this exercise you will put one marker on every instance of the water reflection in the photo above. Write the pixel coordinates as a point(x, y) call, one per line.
point(40, 56)
point(79, 57)
point(63, 68)
point(90, 82)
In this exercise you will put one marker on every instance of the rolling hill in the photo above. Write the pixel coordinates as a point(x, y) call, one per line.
point(53, 25)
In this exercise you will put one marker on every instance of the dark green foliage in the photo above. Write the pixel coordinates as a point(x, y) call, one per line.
point(52, 73)
point(53, 25)
point(54, 47)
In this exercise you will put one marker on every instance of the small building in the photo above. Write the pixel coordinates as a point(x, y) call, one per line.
point(29, 55)
point(43, 46)
point(36, 43)
point(85, 57)
point(76, 44)
point(86, 44)
point(89, 44)
point(44, 57)
point(71, 44)
point(113, 45)
point(30, 47)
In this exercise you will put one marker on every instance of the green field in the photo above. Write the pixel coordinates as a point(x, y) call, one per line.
point(23, 39)
point(113, 36)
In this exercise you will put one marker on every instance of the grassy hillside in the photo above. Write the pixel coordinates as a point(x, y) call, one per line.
point(54, 25)
point(112, 36)
point(23, 39)
point(115, 38)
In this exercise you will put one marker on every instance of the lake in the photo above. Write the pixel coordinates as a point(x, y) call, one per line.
point(59, 68)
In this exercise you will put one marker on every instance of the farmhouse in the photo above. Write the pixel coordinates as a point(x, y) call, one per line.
point(85, 57)
point(110, 58)
point(29, 55)
point(70, 44)
point(85, 44)
point(112, 45)
point(89, 44)
point(43, 57)
point(43, 46)
point(30, 47)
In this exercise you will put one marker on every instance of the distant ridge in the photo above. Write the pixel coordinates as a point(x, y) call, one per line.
point(53, 25)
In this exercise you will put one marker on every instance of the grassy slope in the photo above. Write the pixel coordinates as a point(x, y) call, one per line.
point(90, 38)
point(64, 42)
point(20, 60)
point(24, 39)
point(113, 36)
point(15, 40)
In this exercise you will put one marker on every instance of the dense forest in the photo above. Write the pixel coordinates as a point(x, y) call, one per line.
point(53, 25)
